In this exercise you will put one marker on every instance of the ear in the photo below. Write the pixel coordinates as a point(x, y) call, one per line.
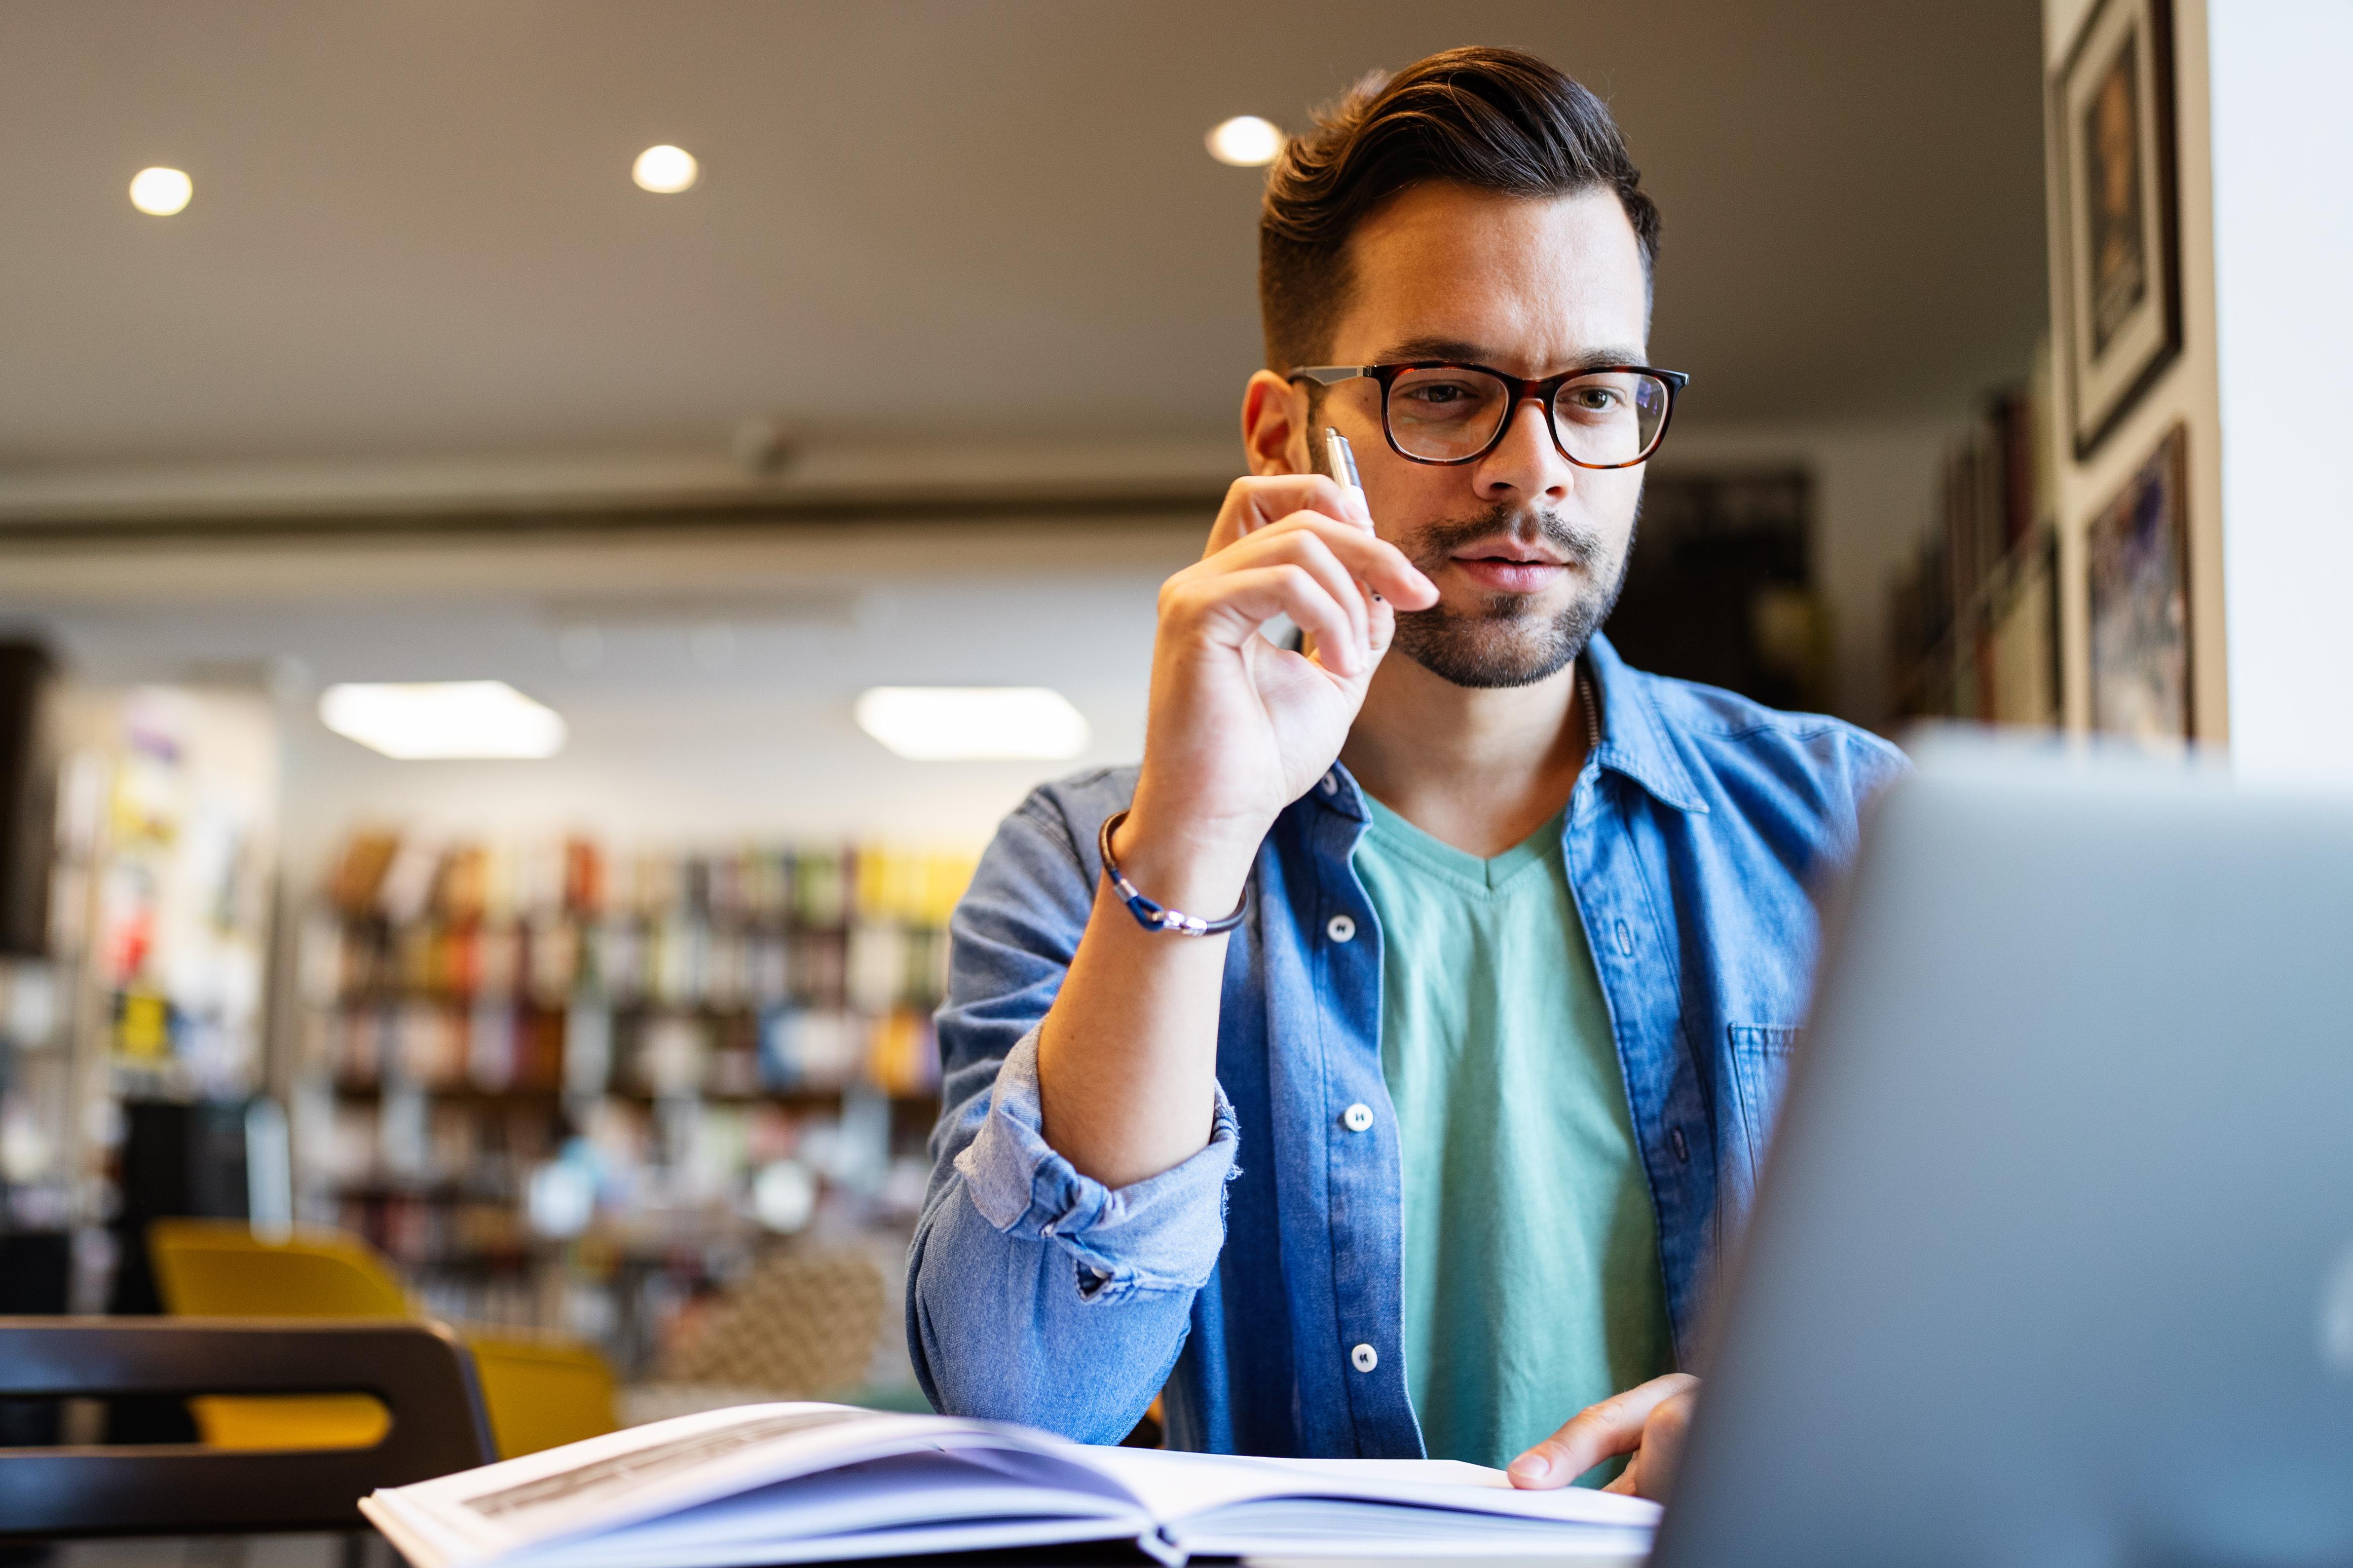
point(1274, 424)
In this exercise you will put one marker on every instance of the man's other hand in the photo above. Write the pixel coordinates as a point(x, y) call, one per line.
point(1647, 1421)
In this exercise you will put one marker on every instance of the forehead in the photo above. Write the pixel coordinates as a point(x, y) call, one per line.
point(1540, 279)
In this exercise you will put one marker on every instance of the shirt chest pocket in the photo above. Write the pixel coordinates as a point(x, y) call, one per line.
point(1760, 1070)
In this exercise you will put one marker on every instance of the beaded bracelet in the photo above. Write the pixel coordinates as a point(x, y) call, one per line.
point(1159, 917)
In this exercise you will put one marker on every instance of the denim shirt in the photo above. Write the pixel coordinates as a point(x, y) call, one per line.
point(1259, 1280)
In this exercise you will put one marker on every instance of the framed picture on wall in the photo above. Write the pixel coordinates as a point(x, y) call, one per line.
point(2139, 564)
point(2112, 155)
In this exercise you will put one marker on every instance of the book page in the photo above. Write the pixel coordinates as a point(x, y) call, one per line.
point(1319, 1529)
point(957, 1501)
point(629, 1477)
point(1177, 1486)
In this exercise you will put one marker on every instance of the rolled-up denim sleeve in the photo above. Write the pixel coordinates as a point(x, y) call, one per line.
point(1161, 1234)
point(1035, 1294)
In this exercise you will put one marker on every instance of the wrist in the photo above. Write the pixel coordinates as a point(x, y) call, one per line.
point(1198, 866)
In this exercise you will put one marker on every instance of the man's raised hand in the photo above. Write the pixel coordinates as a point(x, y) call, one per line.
point(1240, 728)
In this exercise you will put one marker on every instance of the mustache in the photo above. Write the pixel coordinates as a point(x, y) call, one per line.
point(1582, 547)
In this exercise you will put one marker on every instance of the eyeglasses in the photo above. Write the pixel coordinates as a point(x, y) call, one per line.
point(1604, 417)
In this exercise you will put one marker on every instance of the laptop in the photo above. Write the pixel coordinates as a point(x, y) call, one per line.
point(2053, 1258)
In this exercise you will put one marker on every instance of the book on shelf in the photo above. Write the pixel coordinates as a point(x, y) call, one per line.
point(1973, 617)
point(806, 1482)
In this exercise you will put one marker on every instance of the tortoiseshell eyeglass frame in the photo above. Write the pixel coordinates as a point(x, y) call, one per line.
point(1543, 389)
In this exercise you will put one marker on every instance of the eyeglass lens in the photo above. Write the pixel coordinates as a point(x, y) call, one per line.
point(1447, 413)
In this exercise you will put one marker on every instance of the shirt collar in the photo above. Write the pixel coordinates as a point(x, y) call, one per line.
point(1634, 741)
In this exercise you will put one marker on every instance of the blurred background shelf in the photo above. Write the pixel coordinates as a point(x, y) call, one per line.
point(574, 1091)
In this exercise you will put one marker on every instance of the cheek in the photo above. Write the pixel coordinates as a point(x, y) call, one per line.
point(1608, 499)
point(1405, 497)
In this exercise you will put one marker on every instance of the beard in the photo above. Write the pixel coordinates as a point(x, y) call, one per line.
point(1506, 641)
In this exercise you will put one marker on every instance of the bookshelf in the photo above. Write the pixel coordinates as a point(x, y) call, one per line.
point(1975, 616)
point(568, 1088)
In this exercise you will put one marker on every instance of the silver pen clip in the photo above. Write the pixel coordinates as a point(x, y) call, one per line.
point(1342, 459)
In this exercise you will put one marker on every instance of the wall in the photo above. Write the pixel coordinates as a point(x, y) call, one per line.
point(2187, 395)
point(2281, 139)
point(1875, 488)
point(707, 677)
point(2265, 133)
point(708, 733)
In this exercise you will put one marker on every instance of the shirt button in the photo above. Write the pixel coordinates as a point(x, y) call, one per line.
point(1357, 1118)
point(1331, 784)
point(1364, 1358)
point(1340, 928)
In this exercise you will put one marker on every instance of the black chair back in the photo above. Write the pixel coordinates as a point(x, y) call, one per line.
point(419, 1370)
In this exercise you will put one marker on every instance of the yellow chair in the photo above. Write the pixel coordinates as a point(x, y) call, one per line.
point(537, 1394)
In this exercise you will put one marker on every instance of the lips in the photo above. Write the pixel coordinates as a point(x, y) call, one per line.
point(1510, 573)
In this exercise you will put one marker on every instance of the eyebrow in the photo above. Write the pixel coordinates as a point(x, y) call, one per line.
point(1455, 351)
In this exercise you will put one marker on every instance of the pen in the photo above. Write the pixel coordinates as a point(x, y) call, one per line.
point(1341, 458)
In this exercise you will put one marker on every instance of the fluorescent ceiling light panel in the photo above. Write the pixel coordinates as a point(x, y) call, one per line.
point(443, 720)
point(958, 723)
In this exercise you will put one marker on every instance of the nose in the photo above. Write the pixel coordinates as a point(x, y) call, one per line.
point(1525, 464)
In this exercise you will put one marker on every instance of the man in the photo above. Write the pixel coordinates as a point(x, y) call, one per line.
point(1433, 1145)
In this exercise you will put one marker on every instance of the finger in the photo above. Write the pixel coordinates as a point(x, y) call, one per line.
point(1256, 501)
point(1317, 541)
point(1360, 510)
point(1380, 627)
point(1245, 600)
point(1596, 1433)
point(1651, 1474)
point(1303, 548)
point(1374, 561)
point(1628, 1481)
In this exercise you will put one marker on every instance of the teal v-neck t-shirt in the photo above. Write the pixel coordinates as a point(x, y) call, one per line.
point(1531, 1279)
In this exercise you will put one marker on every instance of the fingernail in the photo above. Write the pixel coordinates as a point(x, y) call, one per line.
point(1531, 1467)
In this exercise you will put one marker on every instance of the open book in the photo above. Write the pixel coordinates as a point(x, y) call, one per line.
point(802, 1483)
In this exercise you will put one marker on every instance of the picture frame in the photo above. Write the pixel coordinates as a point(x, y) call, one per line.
point(2137, 567)
point(2115, 214)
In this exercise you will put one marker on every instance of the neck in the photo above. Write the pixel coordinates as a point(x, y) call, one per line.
point(1478, 769)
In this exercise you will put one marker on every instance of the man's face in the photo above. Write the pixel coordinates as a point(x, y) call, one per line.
point(1527, 550)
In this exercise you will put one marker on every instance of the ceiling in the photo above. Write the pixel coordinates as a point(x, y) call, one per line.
point(414, 231)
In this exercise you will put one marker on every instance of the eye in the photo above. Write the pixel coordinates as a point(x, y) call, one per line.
point(1440, 394)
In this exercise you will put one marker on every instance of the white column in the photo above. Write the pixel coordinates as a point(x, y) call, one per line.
point(2282, 150)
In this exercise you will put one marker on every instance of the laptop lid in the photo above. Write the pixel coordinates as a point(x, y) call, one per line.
point(2053, 1258)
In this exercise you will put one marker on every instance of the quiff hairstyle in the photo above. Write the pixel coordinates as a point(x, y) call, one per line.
point(1493, 119)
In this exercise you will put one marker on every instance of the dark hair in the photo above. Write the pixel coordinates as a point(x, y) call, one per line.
point(1493, 120)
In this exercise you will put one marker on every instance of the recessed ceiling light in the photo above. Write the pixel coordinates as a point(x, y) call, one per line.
point(666, 170)
point(159, 192)
point(443, 720)
point(1246, 141)
point(953, 724)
